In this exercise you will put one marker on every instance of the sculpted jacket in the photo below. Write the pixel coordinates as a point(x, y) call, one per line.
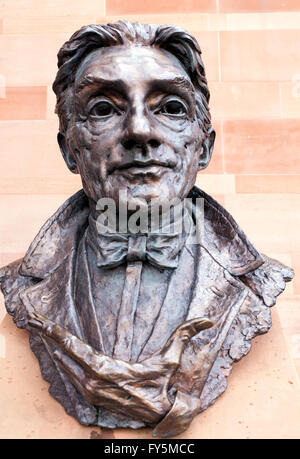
point(233, 285)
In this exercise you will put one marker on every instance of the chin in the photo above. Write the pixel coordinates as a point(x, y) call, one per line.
point(154, 192)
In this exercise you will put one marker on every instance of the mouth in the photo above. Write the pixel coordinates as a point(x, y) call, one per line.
point(141, 168)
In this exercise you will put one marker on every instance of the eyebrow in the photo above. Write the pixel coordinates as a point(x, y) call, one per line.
point(179, 81)
point(90, 80)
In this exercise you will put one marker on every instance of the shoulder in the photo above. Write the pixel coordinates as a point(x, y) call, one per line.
point(268, 280)
point(56, 240)
point(12, 283)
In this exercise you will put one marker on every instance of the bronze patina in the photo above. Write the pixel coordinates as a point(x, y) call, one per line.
point(135, 330)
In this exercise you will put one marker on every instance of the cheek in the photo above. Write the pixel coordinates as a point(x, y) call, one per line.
point(80, 138)
point(89, 146)
point(194, 135)
point(188, 151)
point(188, 145)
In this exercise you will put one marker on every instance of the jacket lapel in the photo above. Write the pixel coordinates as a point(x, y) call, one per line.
point(51, 261)
point(52, 297)
point(224, 239)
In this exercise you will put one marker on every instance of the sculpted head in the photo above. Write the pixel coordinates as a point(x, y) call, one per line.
point(132, 101)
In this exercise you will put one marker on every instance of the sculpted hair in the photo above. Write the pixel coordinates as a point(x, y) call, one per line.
point(172, 39)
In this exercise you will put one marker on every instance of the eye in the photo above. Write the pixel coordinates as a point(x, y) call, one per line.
point(174, 108)
point(103, 109)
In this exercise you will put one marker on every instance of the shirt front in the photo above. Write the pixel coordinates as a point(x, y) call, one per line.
point(150, 293)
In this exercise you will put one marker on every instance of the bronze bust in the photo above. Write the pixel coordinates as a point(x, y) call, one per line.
point(138, 329)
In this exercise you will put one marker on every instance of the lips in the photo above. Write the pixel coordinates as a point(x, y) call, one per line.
point(141, 168)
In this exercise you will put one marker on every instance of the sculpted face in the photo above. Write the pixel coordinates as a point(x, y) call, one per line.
point(134, 125)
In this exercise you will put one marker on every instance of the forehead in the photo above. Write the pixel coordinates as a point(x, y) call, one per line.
point(130, 64)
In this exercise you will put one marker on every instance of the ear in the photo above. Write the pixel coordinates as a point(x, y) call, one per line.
point(66, 153)
point(207, 149)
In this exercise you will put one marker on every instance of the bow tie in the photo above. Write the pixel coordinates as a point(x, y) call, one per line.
point(112, 249)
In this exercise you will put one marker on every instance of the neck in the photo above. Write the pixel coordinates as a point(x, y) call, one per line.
point(148, 220)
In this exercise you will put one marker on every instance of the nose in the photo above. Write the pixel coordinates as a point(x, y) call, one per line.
point(139, 133)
